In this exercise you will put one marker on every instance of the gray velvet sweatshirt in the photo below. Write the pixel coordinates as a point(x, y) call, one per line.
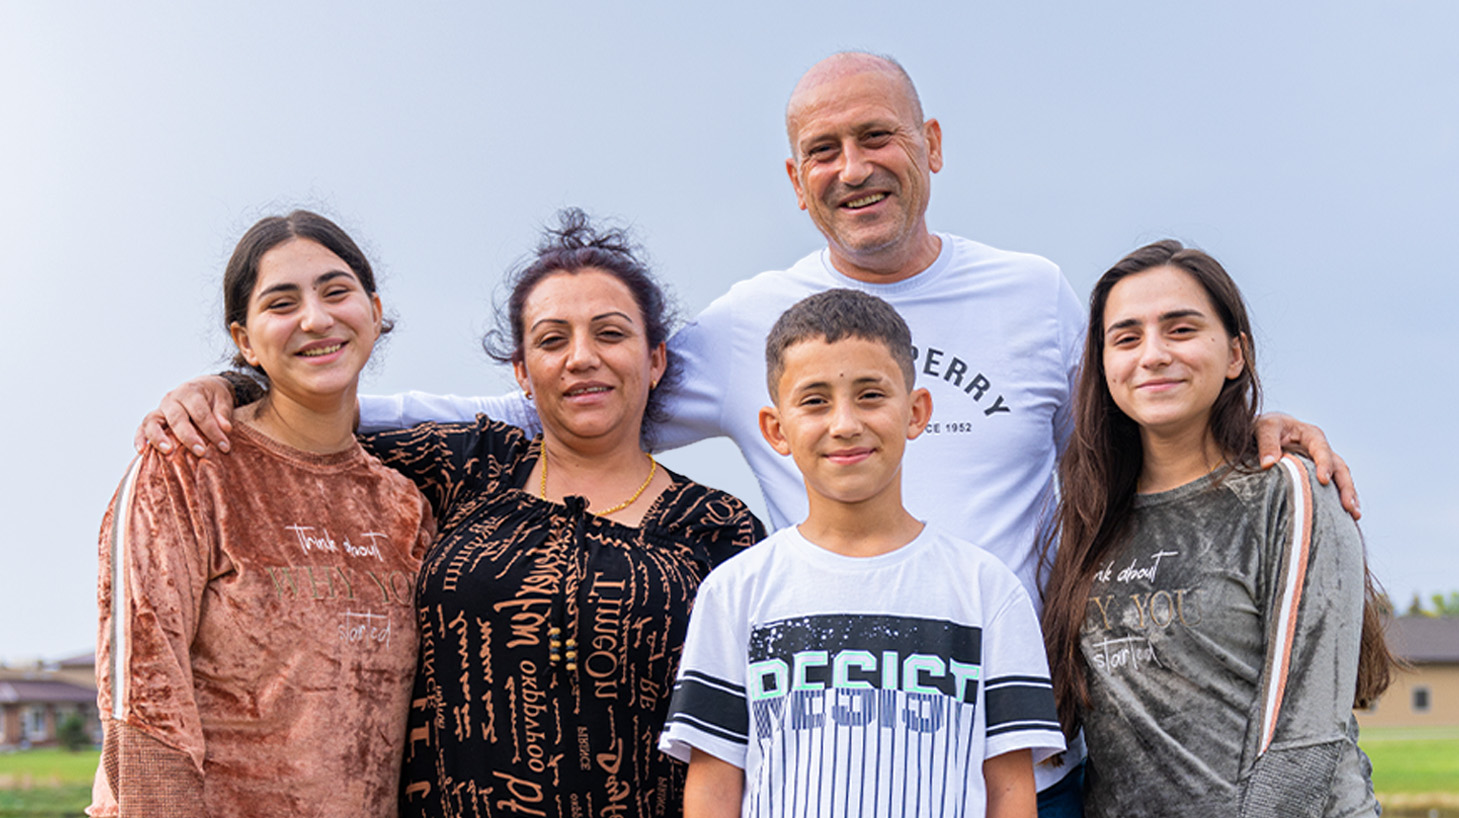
point(1181, 629)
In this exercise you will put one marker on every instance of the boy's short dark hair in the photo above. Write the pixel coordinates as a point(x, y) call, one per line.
point(831, 316)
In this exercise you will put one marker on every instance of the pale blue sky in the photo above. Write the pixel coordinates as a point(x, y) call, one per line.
point(1313, 147)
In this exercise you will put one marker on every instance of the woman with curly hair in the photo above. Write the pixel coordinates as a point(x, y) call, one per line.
point(553, 606)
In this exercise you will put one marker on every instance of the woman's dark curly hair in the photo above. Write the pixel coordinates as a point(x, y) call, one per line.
point(574, 245)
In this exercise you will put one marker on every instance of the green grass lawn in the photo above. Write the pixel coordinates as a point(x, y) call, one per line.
point(45, 802)
point(51, 767)
point(1413, 760)
point(1406, 763)
point(45, 783)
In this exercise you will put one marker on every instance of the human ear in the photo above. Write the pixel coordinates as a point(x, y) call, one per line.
point(792, 171)
point(240, 340)
point(771, 429)
point(379, 313)
point(921, 413)
point(932, 134)
point(519, 369)
point(1238, 356)
point(658, 363)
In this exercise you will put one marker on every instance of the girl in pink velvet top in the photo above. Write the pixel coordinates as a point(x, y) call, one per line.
point(258, 636)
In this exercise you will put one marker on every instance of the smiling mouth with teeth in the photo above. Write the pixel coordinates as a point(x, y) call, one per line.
point(865, 201)
point(588, 391)
point(315, 353)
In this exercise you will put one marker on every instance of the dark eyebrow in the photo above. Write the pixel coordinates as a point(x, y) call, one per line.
point(331, 275)
point(1185, 313)
point(599, 317)
point(285, 287)
point(866, 380)
point(813, 386)
point(1164, 316)
point(290, 287)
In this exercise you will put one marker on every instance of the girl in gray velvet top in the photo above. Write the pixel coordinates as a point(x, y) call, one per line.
point(1210, 625)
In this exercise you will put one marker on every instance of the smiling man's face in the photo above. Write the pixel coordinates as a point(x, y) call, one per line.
point(862, 165)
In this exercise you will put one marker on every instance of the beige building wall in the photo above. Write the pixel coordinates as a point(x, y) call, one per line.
point(1396, 708)
point(79, 676)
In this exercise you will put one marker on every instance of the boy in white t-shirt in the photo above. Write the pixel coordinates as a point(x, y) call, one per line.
point(861, 663)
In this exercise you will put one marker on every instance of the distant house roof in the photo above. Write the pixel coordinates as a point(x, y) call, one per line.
point(87, 659)
point(42, 692)
point(1424, 638)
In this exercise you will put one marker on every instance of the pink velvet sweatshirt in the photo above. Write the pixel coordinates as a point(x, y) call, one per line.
point(257, 639)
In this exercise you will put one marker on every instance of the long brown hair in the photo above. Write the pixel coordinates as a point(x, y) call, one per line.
point(1101, 464)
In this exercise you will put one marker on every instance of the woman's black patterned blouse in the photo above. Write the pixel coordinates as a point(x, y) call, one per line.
point(549, 636)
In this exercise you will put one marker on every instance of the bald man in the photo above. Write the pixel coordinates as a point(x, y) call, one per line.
point(998, 335)
point(998, 338)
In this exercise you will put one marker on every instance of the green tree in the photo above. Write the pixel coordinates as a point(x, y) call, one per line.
point(72, 733)
point(1446, 605)
point(1416, 606)
point(1440, 605)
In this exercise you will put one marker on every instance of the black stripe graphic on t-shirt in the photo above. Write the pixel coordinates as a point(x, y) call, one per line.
point(1033, 680)
point(908, 688)
point(1024, 726)
point(714, 705)
point(946, 656)
point(725, 684)
point(1014, 699)
point(833, 632)
point(704, 727)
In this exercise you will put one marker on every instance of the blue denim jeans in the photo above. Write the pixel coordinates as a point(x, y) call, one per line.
point(1066, 798)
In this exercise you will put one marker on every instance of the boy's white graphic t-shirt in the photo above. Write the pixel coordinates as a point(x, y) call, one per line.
point(863, 686)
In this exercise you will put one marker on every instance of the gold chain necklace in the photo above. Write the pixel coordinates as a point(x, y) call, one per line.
point(653, 467)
